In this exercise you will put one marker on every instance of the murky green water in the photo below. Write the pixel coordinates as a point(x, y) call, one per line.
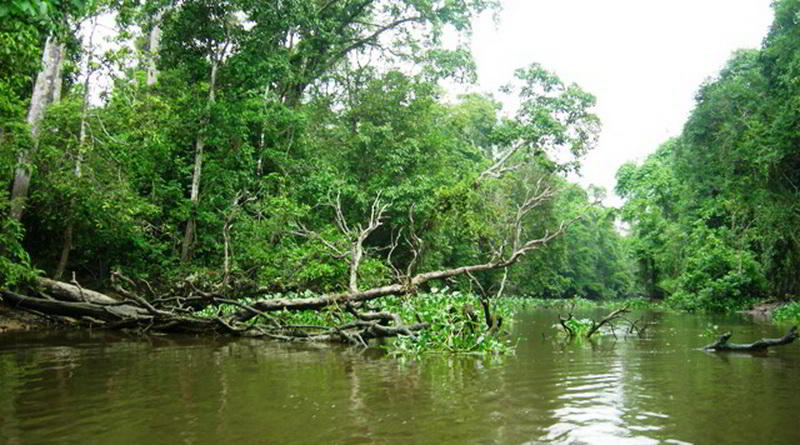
point(109, 389)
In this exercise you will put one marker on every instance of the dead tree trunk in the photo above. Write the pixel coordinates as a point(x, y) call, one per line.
point(722, 345)
point(71, 292)
point(356, 236)
point(77, 305)
point(73, 309)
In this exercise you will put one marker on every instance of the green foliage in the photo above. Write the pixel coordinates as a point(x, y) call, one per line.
point(15, 266)
point(451, 330)
point(299, 139)
point(714, 212)
point(653, 195)
point(47, 14)
point(718, 278)
point(788, 313)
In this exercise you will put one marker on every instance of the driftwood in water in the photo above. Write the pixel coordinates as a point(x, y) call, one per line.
point(606, 320)
point(595, 325)
point(118, 315)
point(722, 344)
point(71, 304)
point(408, 281)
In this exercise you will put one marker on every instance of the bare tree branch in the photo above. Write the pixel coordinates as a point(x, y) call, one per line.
point(415, 243)
point(295, 304)
point(606, 320)
point(357, 253)
point(356, 236)
point(499, 168)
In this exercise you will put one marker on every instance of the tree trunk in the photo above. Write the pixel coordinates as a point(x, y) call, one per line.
point(46, 91)
point(226, 264)
point(65, 248)
point(294, 304)
point(70, 292)
point(357, 255)
point(74, 309)
point(188, 235)
point(153, 47)
point(200, 143)
point(68, 243)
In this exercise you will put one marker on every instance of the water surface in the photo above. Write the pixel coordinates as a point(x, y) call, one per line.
point(101, 388)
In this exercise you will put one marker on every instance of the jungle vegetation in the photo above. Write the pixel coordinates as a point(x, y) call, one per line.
point(714, 212)
point(307, 156)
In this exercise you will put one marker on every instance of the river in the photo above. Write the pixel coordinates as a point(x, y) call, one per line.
point(103, 388)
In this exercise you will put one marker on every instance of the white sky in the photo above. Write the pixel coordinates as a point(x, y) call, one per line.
point(642, 59)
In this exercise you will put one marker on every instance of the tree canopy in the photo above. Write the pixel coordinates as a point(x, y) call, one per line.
point(714, 211)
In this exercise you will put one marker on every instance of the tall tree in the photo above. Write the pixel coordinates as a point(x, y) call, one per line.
point(280, 49)
point(46, 90)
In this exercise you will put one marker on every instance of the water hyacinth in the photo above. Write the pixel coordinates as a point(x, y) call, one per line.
point(456, 321)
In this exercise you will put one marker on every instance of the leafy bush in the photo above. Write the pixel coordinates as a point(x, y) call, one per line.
point(788, 313)
point(15, 265)
point(718, 278)
point(451, 329)
point(578, 326)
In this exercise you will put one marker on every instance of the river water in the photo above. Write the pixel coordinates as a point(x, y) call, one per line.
point(101, 388)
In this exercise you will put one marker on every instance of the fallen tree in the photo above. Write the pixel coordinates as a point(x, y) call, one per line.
point(722, 345)
point(173, 315)
point(187, 308)
point(407, 280)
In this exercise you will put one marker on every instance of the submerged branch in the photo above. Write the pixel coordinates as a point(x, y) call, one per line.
point(608, 319)
point(722, 345)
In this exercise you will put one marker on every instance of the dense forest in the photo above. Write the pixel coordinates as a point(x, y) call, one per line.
point(255, 142)
point(247, 148)
point(714, 212)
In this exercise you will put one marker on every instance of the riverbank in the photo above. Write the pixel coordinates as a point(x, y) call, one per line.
point(14, 320)
point(765, 310)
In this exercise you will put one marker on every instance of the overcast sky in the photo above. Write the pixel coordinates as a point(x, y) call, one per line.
point(642, 59)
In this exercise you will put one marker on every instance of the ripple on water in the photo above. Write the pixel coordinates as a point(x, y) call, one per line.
point(594, 402)
point(165, 391)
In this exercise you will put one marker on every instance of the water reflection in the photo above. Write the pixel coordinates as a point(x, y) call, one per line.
point(102, 388)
